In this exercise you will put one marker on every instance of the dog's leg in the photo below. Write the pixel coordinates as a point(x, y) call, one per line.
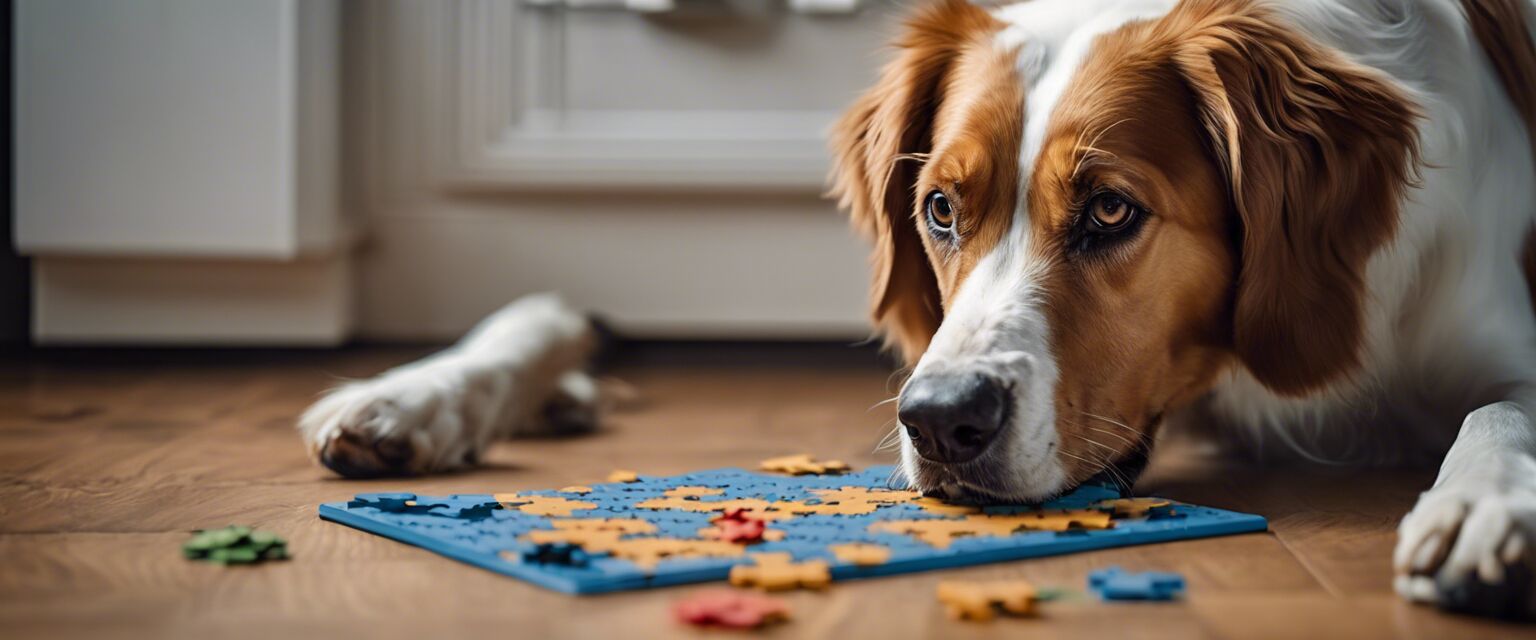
point(518, 372)
point(1470, 543)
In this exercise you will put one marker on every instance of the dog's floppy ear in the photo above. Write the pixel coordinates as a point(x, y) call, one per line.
point(1318, 152)
point(878, 147)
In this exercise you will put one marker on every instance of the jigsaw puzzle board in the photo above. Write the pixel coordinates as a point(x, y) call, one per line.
point(656, 531)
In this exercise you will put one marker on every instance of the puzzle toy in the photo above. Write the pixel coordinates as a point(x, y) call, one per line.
point(1112, 583)
point(658, 531)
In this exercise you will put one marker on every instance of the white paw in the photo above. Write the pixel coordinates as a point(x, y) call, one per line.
point(403, 422)
point(1470, 544)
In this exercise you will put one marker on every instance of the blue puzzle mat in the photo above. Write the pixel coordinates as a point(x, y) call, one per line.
point(654, 532)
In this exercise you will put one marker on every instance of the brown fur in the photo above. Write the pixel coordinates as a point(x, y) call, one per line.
point(1318, 152)
point(878, 146)
point(1145, 326)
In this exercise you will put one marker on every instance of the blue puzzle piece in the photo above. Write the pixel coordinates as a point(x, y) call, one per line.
point(473, 528)
point(1113, 583)
point(561, 553)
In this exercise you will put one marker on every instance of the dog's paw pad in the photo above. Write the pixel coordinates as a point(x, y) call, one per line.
point(354, 455)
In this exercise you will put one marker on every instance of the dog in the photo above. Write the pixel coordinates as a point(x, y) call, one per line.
point(1306, 222)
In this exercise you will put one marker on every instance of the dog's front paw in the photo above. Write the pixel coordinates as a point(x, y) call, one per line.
point(1469, 545)
point(405, 422)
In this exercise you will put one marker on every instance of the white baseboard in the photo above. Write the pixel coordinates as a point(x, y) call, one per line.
point(102, 301)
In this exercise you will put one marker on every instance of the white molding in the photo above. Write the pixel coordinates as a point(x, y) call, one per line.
point(504, 64)
point(95, 301)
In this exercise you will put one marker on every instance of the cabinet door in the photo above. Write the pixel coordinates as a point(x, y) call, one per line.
point(172, 128)
point(713, 94)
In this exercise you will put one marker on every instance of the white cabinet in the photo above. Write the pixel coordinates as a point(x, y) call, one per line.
point(174, 154)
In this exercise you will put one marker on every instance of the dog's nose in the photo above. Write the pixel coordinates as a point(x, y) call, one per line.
point(952, 417)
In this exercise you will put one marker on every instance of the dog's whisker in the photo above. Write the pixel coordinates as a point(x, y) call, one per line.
point(882, 403)
point(1110, 421)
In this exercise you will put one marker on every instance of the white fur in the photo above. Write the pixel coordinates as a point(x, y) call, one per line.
point(1449, 325)
point(496, 382)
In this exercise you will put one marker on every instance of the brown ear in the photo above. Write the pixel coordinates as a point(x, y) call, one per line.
point(1318, 152)
point(878, 147)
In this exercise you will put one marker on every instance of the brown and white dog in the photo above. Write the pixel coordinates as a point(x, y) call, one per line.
point(1309, 221)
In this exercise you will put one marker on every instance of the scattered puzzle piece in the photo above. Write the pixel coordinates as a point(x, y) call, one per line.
point(623, 475)
point(543, 505)
point(778, 571)
point(803, 464)
point(577, 489)
point(982, 601)
point(1113, 583)
point(861, 554)
point(235, 545)
point(941, 532)
point(1134, 507)
point(730, 609)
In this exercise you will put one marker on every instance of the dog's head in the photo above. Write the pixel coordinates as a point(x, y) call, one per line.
point(1082, 215)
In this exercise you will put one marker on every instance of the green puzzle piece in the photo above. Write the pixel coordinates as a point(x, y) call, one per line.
point(235, 545)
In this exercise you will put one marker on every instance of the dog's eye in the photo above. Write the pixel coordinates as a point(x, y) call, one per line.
point(1110, 213)
point(940, 215)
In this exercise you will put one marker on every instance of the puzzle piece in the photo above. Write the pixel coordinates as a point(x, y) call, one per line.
point(803, 464)
point(543, 505)
point(778, 571)
point(561, 553)
point(981, 601)
point(940, 533)
point(609, 536)
point(1134, 507)
point(730, 609)
point(390, 502)
point(935, 505)
point(1113, 583)
point(577, 489)
point(845, 501)
point(735, 525)
point(235, 545)
point(861, 554)
point(623, 475)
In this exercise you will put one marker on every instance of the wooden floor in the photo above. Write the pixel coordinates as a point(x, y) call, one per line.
point(105, 464)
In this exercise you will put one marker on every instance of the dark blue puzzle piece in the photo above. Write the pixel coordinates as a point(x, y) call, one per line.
point(473, 528)
point(1113, 583)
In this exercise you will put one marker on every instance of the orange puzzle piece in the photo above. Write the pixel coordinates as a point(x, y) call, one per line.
point(940, 533)
point(982, 601)
point(542, 505)
point(803, 464)
point(778, 571)
point(861, 554)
